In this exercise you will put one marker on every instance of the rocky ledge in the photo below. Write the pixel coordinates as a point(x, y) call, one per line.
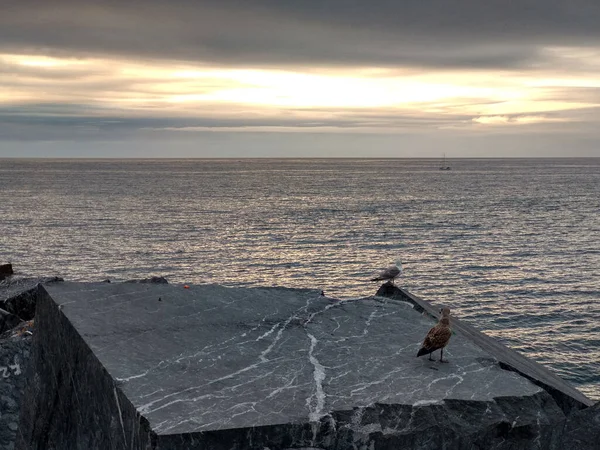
point(156, 366)
point(14, 354)
point(17, 306)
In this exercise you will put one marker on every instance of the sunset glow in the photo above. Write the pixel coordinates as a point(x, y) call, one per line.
point(131, 87)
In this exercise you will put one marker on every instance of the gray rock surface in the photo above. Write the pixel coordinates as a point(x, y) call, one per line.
point(7, 321)
point(152, 366)
point(14, 355)
point(582, 429)
point(19, 295)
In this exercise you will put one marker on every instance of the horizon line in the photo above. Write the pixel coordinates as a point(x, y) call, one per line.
point(133, 158)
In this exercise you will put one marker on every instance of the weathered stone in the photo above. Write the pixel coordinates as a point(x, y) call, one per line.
point(221, 368)
point(71, 402)
point(14, 357)
point(19, 296)
point(155, 280)
point(6, 270)
point(7, 321)
point(23, 304)
point(582, 429)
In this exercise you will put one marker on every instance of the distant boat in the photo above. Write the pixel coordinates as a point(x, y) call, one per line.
point(444, 165)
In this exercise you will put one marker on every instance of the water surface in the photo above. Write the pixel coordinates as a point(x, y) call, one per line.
point(511, 245)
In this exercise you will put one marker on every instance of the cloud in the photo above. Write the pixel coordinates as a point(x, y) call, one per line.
point(52, 121)
point(518, 120)
point(50, 98)
point(433, 33)
point(78, 70)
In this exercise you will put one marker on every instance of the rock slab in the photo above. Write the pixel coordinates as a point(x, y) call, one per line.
point(154, 366)
point(14, 356)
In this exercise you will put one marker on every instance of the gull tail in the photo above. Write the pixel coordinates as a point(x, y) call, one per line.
point(423, 351)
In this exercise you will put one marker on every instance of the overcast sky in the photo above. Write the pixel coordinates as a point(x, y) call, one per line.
point(212, 78)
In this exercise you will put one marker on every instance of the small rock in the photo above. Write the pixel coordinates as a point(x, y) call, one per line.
point(7, 321)
point(6, 270)
point(45, 280)
point(155, 280)
point(23, 304)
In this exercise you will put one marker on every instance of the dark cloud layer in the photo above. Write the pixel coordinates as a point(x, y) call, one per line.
point(428, 33)
point(66, 122)
point(49, 121)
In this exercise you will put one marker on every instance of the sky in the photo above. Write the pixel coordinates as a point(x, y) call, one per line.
point(299, 78)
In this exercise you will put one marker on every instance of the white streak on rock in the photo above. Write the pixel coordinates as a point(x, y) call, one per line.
point(120, 414)
point(427, 402)
point(273, 328)
point(368, 322)
point(264, 353)
point(319, 374)
point(133, 377)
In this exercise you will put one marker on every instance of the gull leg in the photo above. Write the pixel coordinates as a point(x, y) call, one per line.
point(442, 360)
point(430, 358)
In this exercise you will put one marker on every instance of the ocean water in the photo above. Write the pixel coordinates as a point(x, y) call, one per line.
point(511, 245)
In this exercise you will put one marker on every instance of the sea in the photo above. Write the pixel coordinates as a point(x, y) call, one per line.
point(512, 246)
